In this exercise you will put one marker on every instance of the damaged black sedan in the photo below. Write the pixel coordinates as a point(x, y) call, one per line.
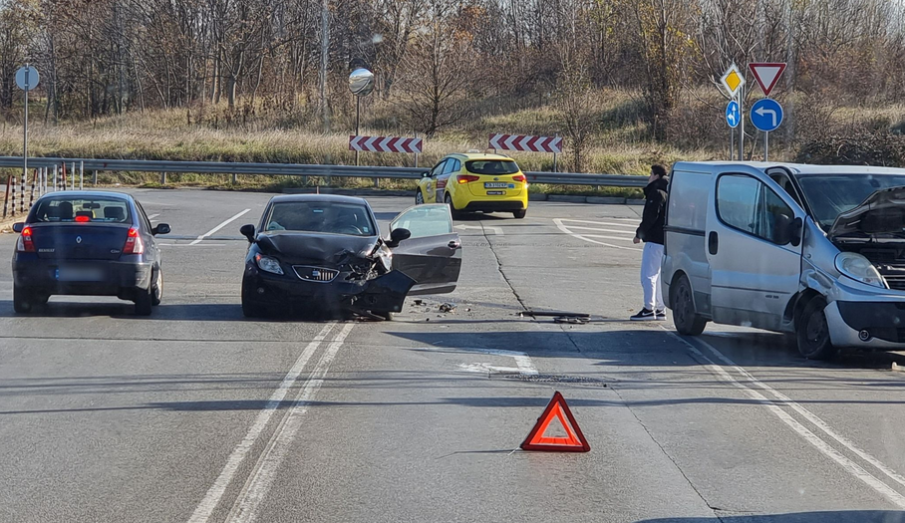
point(325, 253)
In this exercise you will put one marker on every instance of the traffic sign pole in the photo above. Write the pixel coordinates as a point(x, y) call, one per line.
point(741, 124)
point(766, 146)
point(25, 127)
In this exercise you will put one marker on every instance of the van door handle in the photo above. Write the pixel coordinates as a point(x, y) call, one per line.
point(713, 242)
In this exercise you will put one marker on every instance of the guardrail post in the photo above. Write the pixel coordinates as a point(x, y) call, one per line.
point(94, 178)
point(163, 178)
point(235, 178)
point(376, 183)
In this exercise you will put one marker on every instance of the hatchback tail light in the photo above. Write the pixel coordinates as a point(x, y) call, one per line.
point(25, 243)
point(465, 178)
point(134, 245)
point(519, 178)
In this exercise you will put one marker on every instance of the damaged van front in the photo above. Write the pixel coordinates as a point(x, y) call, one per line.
point(858, 264)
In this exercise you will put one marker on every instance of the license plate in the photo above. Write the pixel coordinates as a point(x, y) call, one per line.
point(495, 193)
point(495, 185)
point(79, 274)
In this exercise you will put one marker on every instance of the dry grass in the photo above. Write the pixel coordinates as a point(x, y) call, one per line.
point(621, 145)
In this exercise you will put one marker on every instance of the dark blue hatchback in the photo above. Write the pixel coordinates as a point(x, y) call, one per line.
point(87, 243)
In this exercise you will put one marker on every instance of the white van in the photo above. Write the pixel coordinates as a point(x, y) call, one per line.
point(818, 251)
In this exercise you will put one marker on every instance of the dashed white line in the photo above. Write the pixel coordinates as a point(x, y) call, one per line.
point(853, 468)
point(215, 493)
point(218, 227)
point(246, 506)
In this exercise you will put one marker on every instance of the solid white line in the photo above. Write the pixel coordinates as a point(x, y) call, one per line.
point(630, 226)
point(631, 234)
point(565, 229)
point(853, 468)
point(217, 228)
point(215, 493)
point(193, 244)
point(152, 216)
point(258, 484)
point(808, 415)
point(636, 220)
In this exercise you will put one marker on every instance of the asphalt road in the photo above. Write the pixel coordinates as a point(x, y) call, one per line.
point(199, 415)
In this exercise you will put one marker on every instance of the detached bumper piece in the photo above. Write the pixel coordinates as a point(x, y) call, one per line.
point(385, 293)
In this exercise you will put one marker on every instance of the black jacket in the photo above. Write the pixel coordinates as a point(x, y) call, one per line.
point(651, 229)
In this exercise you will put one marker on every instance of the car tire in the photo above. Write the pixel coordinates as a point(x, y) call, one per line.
point(520, 213)
point(813, 333)
point(144, 299)
point(684, 316)
point(419, 197)
point(157, 289)
point(457, 215)
point(21, 303)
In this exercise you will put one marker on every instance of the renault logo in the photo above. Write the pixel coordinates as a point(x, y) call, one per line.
point(78, 239)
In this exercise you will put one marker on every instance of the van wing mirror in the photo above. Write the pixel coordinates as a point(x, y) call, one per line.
point(786, 230)
point(796, 232)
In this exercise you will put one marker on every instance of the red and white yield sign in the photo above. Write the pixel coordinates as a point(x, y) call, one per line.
point(767, 74)
point(515, 142)
point(385, 144)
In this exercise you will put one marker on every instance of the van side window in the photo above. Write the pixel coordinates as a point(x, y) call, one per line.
point(748, 205)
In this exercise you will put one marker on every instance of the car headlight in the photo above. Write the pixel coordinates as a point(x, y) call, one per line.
point(859, 268)
point(268, 264)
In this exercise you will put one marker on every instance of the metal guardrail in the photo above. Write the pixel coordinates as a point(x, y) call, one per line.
point(298, 169)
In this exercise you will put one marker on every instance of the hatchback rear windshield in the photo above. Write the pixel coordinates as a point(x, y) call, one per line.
point(81, 209)
point(491, 167)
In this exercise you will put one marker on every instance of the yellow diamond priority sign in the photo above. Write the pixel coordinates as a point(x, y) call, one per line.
point(732, 80)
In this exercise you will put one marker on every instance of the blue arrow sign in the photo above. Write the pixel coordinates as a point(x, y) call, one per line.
point(766, 114)
point(733, 116)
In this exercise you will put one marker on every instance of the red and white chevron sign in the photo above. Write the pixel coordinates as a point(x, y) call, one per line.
point(385, 144)
point(515, 142)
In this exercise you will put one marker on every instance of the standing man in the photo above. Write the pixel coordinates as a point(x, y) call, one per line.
point(651, 233)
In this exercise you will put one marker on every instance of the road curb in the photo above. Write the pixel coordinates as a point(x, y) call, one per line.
point(606, 200)
point(569, 198)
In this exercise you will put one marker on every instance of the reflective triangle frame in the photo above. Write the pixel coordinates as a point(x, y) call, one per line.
point(574, 440)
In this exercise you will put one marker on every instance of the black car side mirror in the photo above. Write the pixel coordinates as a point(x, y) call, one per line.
point(162, 228)
point(18, 227)
point(248, 230)
point(398, 235)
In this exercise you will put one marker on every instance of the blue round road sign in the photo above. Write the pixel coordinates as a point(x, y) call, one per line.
point(766, 114)
point(733, 116)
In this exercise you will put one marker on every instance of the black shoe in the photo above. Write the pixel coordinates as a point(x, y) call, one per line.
point(661, 315)
point(644, 315)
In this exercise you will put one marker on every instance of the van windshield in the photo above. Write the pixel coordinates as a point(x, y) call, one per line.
point(828, 196)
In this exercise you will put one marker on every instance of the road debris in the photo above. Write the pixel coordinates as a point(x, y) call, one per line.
point(574, 320)
point(419, 302)
point(447, 307)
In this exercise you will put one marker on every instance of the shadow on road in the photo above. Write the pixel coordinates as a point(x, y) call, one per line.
point(841, 516)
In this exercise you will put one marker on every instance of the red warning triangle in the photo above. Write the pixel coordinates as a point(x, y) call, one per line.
point(573, 441)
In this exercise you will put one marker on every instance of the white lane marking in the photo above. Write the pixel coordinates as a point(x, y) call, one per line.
point(636, 220)
point(496, 230)
point(630, 226)
point(523, 362)
point(808, 415)
point(598, 229)
point(565, 229)
point(215, 493)
point(853, 468)
point(483, 368)
point(246, 506)
point(152, 216)
point(217, 228)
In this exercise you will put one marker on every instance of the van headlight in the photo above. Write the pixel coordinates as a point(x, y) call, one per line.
point(268, 264)
point(859, 268)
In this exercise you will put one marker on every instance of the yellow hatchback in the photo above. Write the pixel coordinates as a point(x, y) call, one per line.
point(476, 182)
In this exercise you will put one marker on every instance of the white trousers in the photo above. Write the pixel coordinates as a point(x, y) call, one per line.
point(651, 258)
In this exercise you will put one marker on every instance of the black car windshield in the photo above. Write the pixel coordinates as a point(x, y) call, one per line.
point(491, 167)
point(81, 209)
point(321, 217)
point(830, 195)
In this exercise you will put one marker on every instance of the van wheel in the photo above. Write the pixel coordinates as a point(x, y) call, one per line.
point(813, 332)
point(419, 197)
point(686, 320)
